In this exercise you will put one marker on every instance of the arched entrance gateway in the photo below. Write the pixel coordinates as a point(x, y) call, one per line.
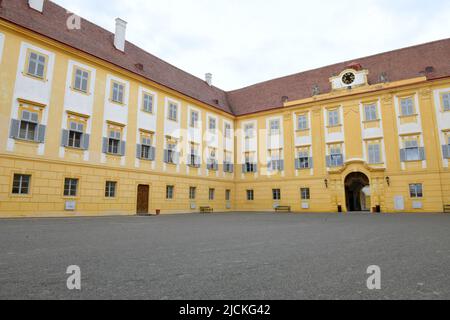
point(357, 192)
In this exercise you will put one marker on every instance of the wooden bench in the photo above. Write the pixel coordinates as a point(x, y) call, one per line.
point(447, 208)
point(283, 208)
point(206, 210)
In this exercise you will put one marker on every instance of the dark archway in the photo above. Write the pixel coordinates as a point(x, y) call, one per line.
point(357, 192)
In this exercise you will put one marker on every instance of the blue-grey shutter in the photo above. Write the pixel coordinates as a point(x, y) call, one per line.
point(85, 138)
point(41, 133)
point(269, 165)
point(329, 161)
point(105, 145)
point(422, 154)
point(311, 162)
point(197, 161)
point(341, 160)
point(152, 154)
point(282, 165)
point(446, 151)
point(15, 126)
point(297, 164)
point(231, 168)
point(244, 168)
point(65, 138)
point(402, 155)
point(176, 157)
point(123, 145)
point(255, 168)
point(166, 156)
point(138, 151)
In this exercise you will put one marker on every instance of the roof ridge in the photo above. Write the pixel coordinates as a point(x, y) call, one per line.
point(342, 62)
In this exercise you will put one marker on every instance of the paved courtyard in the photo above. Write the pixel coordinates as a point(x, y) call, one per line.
point(227, 256)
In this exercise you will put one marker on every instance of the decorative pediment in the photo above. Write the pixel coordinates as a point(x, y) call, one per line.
point(353, 76)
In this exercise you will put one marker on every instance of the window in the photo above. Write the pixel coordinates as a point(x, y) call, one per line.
point(446, 101)
point(250, 195)
point(371, 112)
point(171, 153)
point(81, 80)
point(117, 92)
point(274, 127)
point(28, 125)
point(275, 163)
point(70, 187)
point(192, 193)
point(211, 194)
point(333, 118)
point(114, 142)
point(416, 190)
point(302, 122)
point(110, 189)
point(374, 153)
point(227, 130)
point(148, 103)
point(303, 161)
point(412, 151)
point(194, 119)
point(169, 192)
point(249, 131)
point(21, 184)
point(75, 134)
point(173, 111)
point(227, 195)
point(36, 65)
point(212, 124)
point(407, 106)
point(276, 194)
point(249, 165)
point(305, 193)
point(336, 158)
point(146, 147)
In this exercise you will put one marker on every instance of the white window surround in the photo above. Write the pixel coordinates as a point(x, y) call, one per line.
point(2, 41)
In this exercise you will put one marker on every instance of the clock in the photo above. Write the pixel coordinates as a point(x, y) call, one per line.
point(348, 78)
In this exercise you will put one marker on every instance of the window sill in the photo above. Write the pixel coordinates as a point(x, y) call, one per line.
point(117, 102)
point(25, 141)
point(303, 130)
point(334, 126)
point(408, 116)
point(371, 121)
point(86, 93)
point(18, 196)
point(32, 76)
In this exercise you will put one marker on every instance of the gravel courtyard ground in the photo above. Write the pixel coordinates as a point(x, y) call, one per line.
point(227, 256)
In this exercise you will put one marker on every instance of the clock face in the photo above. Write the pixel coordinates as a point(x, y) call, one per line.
point(348, 78)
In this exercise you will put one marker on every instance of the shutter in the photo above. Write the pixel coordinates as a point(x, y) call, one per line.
point(269, 165)
point(65, 138)
point(188, 161)
point(244, 168)
point(402, 155)
point(85, 138)
point(152, 154)
point(176, 157)
point(341, 160)
point(197, 161)
point(231, 167)
point(123, 145)
point(297, 164)
point(446, 151)
point(311, 163)
point(105, 145)
point(255, 168)
point(138, 151)
point(329, 161)
point(15, 125)
point(41, 133)
point(422, 154)
point(166, 156)
point(281, 165)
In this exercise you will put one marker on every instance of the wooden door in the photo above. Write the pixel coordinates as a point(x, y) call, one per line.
point(143, 195)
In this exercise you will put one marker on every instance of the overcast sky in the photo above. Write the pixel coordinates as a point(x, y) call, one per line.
point(243, 42)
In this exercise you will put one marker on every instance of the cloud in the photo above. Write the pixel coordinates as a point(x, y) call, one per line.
point(243, 42)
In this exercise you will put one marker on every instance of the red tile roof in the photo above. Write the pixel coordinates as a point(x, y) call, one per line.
point(395, 65)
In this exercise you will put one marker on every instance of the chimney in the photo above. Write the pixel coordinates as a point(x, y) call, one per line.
point(37, 5)
point(208, 79)
point(119, 37)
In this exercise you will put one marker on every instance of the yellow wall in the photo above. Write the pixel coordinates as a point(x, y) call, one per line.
point(48, 170)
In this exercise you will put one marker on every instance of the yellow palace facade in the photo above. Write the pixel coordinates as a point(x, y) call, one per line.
point(92, 125)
